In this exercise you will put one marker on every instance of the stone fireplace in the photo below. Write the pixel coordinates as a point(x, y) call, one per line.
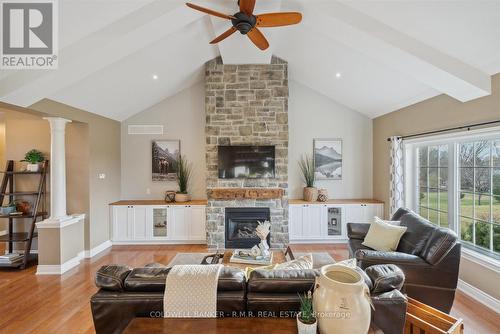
point(247, 105)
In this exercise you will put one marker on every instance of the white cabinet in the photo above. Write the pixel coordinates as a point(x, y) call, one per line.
point(158, 223)
point(327, 222)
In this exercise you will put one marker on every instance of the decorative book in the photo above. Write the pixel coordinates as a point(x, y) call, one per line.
point(245, 256)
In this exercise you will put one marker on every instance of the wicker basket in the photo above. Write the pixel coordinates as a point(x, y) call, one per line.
point(423, 319)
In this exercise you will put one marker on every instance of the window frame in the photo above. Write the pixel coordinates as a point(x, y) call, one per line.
point(412, 186)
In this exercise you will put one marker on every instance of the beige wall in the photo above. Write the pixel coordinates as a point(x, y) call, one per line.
point(104, 157)
point(183, 118)
point(312, 115)
point(434, 114)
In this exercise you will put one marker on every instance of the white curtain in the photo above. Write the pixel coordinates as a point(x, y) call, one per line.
point(397, 178)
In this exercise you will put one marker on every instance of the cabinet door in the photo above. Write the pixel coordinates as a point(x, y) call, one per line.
point(355, 213)
point(372, 210)
point(312, 221)
point(197, 223)
point(120, 223)
point(139, 219)
point(334, 225)
point(295, 222)
point(180, 223)
point(160, 223)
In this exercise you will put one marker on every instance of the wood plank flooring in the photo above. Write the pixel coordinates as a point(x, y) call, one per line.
point(60, 304)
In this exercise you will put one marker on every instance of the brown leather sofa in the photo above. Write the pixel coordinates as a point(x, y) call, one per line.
point(428, 255)
point(125, 293)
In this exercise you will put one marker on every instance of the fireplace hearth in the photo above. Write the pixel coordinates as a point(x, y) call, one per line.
point(241, 224)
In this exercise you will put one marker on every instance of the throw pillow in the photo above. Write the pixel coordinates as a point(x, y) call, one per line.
point(383, 237)
point(303, 262)
point(390, 222)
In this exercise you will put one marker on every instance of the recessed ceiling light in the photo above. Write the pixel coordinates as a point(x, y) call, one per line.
point(155, 77)
point(338, 75)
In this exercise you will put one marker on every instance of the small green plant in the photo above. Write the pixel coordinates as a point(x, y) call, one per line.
point(184, 169)
point(306, 164)
point(306, 308)
point(33, 156)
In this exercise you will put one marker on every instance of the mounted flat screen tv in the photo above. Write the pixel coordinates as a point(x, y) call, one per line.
point(248, 162)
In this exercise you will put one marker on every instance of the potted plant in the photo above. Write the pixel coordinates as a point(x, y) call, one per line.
point(306, 321)
point(184, 169)
point(306, 164)
point(33, 158)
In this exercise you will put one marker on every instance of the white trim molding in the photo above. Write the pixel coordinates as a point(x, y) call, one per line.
point(479, 295)
point(60, 222)
point(59, 269)
point(481, 259)
point(98, 249)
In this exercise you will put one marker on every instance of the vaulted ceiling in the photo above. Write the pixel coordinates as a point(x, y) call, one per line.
point(372, 56)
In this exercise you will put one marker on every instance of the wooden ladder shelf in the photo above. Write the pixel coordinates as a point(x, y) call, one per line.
point(7, 189)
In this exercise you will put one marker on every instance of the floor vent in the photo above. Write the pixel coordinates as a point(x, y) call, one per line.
point(145, 129)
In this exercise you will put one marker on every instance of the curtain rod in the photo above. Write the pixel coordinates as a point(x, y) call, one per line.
point(468, 127)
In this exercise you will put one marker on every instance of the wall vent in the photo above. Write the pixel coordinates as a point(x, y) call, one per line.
point(145, 129)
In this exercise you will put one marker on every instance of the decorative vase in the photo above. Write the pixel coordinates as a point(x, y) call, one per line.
point(310, 194)
point(32, 167)
point(306, 328)
point(182, 197)
point(341, 301)
point(322, 195)
point(170, 196)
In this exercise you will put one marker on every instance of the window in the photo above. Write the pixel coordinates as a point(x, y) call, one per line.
point(479, 209)
point(454, 182)
point(433, 184)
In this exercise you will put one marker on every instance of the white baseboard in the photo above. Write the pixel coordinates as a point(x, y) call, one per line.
point(49, 269)
point(479, 295)
point(99, 248)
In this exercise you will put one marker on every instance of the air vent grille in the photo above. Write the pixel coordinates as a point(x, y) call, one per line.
point(145, 129)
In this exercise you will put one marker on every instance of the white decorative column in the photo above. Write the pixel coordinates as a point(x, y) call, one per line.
point(57, 167)
point(60, 238)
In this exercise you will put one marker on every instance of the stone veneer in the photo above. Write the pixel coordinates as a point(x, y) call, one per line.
point(247, 105)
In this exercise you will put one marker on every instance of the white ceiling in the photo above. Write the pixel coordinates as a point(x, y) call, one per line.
point(390, 53)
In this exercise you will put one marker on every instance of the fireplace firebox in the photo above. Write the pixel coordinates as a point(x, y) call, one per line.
point(241, 224)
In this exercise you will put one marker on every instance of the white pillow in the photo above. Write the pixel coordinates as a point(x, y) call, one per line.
point(303, 262)
point(390, 222)
point(383, 237)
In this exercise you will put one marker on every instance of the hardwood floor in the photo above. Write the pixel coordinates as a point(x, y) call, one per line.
point(60, 304)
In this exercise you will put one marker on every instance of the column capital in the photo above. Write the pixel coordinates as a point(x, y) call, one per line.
point(57, 123)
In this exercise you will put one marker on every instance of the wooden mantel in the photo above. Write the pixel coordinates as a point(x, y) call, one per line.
point(245, 193)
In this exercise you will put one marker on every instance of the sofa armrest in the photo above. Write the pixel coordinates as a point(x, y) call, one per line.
point(112, 277)
point(366, 258)
point(390, 311)
point(357, 230)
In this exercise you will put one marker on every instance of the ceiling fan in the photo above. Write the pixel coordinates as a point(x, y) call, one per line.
point(247, 23)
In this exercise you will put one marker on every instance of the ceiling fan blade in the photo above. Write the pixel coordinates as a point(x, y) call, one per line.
point(278, 19)
point(258, 38)
point(209, 11)
point(224, 35)
point(247, 6)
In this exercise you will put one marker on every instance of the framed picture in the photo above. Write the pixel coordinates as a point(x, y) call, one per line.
point(328, 159)
point(164, 157)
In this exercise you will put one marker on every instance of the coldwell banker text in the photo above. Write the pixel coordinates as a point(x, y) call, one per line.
point(29, 34)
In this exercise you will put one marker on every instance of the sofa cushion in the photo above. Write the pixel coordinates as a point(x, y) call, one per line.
point(111, 277)
point(282, 281)
point(385, 277)
point(439, 244)
point(383, 237)
point(153, 279)
point(417, 233)
point(400, 213)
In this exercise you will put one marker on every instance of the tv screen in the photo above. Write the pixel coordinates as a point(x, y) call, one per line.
point(249, 162)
